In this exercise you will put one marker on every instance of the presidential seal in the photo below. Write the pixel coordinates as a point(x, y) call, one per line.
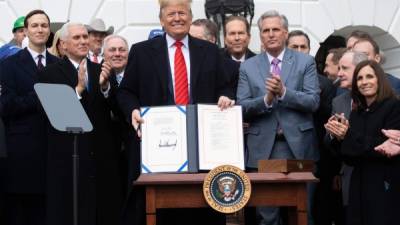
point(227, 189)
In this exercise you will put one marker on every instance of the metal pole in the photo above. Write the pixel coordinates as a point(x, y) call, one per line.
point(75, 176)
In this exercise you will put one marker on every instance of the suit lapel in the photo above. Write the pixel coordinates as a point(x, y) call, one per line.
point(263, 67)
point(69, 71)
point(160, 54)
point(27, 63)
point(347, 105)
point(287, 62)
point(50, 59)
point(91, 76)
point(197, 54)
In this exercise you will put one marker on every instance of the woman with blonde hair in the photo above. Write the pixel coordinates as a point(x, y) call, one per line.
point(55, 48)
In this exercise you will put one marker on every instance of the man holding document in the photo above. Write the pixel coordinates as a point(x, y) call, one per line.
point(175, 69)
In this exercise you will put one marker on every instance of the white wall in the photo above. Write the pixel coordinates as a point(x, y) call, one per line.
point(135, 18)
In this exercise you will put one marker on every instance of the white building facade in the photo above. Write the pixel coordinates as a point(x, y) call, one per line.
point(134, 19)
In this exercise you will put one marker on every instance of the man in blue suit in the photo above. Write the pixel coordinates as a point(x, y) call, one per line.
point(279, 91)
point(24, 125)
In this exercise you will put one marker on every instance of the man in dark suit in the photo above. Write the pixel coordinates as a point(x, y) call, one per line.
point(325, 202)
point(3, 151)
point(24, 125)
point(99, 182)
point(173, 69)
point(336, 126)
point(116, 51)
point(207, 30)
point(3, 154)
point(237, 39)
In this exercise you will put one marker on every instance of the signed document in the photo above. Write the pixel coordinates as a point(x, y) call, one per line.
point(220, 137)
point(164, 141)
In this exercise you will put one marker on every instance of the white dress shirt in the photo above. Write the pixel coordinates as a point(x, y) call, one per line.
point(35, 56)
point(99, 56)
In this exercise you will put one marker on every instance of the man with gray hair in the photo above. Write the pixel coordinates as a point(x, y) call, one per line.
point(204, 29)
point(338, 124)
point(278, 89)
point(100, 196)
point(116, 53)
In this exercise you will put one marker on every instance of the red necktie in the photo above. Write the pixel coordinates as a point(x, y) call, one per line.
point(181, 80)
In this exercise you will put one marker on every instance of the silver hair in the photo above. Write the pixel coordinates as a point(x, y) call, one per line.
point(273, 13)
point(114, 36)
point(64, 31)
point(359, 57)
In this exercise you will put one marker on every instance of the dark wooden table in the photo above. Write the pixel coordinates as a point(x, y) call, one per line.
point(186, 191)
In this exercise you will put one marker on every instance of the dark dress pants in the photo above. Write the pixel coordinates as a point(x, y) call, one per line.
point(24, 209)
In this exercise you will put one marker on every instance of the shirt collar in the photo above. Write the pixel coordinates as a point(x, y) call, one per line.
point(36, 54)
point(242, 59)
point(171, 41)
point(280, 56)
point(99, 55)
point(75, 64)
point(121, 74)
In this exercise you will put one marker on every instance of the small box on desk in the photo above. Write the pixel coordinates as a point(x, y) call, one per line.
point(285, 165)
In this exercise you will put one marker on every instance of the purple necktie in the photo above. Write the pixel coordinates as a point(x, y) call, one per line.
point(277, 71)
point(275, 66)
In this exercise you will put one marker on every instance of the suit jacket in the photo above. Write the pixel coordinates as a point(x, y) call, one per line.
point(341, 104)
point(148, 81)
point(99, 182)
point(293, 113)
point(232, 67)
point(375, 181)
point(24, 123)
point(3, 151)
point(329, 164)
point(394, 82)
point(247, 55)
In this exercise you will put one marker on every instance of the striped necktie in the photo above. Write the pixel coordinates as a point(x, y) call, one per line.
point(181, 79)
point(40, 63)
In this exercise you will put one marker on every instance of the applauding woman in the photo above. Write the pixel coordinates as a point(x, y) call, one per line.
point(375, 183)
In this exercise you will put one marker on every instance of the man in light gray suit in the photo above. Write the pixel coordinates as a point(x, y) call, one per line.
point(278, 90)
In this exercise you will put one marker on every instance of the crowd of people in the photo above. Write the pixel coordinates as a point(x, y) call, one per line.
point(346, 119)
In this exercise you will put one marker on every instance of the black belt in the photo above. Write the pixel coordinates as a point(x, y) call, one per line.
point(280, 137)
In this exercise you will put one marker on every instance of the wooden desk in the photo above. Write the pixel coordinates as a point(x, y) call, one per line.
point(186, 191)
